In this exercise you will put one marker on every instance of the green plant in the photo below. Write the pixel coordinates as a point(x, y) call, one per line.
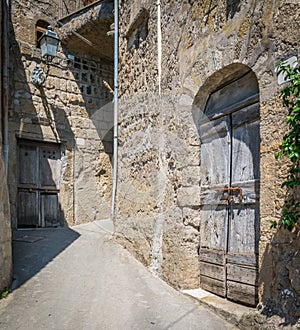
point(290, 145)
point(4, 293)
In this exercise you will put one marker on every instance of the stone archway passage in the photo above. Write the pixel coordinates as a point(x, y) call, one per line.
point(229, 218)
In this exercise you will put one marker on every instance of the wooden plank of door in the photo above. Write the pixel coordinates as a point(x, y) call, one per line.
point(50, 209)
point(27, 209)
point(212, 256)
point(214, 175)
point(49, 156)
point(213, 285)
point(246, 115)
point(213, 219)
point(212, 270)
point(214, 160)
point(243, 229)
point(244, 223)
point(245, 153)
point(241, 292)
point(244, 217)
point(227, 99)
point(242, 274)
point(249, 259)
point(28, 170)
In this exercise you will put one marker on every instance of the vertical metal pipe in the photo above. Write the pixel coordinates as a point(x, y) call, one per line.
point(5, 81)
point(74, 186)
point(156, 253)
point(159, 46)
point(116, 110)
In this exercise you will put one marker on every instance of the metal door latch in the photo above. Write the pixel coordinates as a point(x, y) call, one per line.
point(230, 193)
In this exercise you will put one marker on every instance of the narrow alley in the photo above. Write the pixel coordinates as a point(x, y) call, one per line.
point(79, 278)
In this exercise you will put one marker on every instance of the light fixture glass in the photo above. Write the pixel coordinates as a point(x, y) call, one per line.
point(49, 43)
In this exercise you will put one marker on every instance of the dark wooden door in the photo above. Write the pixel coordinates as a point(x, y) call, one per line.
point(38, 187)
point(229, 223)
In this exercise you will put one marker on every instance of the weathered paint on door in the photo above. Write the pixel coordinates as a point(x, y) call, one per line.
point(38, 187)
point(229, 221)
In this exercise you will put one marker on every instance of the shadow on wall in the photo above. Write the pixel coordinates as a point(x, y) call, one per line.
point(46, 110)
point(34, 249)
point(90, 109)
point(93, 97)
point(35, 118)
point(232, 6)
point(281, 262)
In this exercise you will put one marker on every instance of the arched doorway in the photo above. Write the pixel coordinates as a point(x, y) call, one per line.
point(229, 218)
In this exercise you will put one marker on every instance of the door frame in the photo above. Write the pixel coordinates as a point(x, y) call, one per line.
point(38, 190)
point(225, 112)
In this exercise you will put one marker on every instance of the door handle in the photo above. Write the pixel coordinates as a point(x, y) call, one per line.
point(231, 192)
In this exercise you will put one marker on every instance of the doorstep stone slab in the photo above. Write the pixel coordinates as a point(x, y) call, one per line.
point(232, 312)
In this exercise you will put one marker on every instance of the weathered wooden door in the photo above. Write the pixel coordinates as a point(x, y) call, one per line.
point(229, 221)
point(38, 187)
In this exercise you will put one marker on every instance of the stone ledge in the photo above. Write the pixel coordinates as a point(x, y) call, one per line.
point(240, 316)
point(232, 312)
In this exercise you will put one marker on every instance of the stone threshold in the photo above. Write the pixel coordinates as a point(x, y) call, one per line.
point(232, 312)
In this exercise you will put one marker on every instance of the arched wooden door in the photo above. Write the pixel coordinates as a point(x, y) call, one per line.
point(229, 220)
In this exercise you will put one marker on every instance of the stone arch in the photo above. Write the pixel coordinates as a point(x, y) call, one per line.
point(217, 80)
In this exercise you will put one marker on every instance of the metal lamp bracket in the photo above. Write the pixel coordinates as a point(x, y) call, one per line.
point(39, 76)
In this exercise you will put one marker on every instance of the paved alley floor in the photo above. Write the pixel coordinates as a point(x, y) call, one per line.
point(79, 278)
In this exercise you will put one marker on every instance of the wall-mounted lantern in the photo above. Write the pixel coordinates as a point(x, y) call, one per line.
point(48, 43)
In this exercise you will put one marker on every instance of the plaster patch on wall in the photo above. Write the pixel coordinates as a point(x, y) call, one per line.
point(80, 141)
point(292, 61)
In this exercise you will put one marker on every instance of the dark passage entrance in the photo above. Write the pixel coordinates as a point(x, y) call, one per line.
point(38, 186)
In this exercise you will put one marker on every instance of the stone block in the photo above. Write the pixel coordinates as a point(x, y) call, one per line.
point(5, 236)
point(190, 176)
point(188, 196)
point(64, 85)
point(191, 216)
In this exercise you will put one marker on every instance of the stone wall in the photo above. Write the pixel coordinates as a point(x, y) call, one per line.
point(72, 108)
point(203, 44)
point(5, 233)
point(5, 229)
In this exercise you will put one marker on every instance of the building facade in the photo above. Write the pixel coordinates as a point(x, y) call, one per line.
point(60, 130)
point(5, 227)
point(200, 123)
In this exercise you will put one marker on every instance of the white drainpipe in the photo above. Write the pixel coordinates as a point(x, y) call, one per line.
point(116, 110)
point(159, 47)
point(5, 80)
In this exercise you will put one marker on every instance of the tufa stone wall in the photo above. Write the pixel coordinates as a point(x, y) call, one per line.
point(154, 208)
point(5, 228)
point(72, 108)
point(5, 233)
point(204, 45)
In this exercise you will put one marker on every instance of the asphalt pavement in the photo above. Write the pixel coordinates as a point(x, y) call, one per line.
point(79, 278)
